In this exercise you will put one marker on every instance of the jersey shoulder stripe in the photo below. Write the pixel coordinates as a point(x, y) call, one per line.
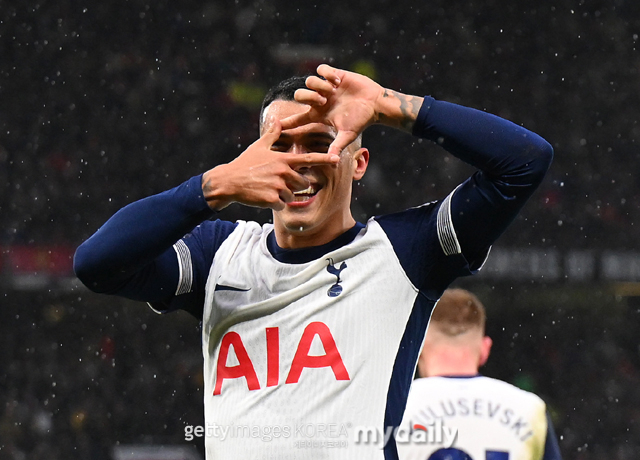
point(446, 233)
point(185, 268)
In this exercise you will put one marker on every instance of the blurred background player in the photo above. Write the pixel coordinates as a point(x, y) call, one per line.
point(494, 419)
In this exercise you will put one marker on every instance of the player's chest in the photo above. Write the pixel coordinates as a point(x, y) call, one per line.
point(273, 321)
point(362, 280)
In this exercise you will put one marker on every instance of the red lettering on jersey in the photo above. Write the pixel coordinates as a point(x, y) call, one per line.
point(273, 356)
point(243, 369)
point(331, 358)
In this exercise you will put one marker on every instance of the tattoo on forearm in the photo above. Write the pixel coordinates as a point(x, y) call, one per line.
point(409, 108)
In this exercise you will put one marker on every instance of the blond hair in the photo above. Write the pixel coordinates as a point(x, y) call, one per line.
point(458, 311)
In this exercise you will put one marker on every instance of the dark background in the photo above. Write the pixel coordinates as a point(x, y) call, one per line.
point(102, 103)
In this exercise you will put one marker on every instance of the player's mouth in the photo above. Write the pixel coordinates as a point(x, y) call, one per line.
point(306, 196)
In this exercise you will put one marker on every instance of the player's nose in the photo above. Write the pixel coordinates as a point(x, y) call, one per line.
point(298, 148)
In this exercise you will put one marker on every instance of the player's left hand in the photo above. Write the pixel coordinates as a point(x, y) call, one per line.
point(345, 100)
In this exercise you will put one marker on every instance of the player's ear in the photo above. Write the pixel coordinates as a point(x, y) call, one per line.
point(361, 160)
point(485, 350)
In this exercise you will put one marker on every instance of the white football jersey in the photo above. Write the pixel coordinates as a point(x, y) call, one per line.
point(310, 353)
point(490, 419)
point(286, 365)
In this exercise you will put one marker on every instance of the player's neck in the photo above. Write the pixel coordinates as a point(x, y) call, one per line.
point(458, 371)
point(449, 363)
point(316, 236)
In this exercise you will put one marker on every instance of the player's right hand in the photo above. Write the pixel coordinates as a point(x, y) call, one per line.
point(260, 176)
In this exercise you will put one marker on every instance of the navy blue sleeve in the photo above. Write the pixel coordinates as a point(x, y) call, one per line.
point(512, 161)
point(132, 254)
point(437, 243)
point(551, 447)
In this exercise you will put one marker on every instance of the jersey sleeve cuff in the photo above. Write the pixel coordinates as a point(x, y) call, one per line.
point(421, 127)
point(191, 197)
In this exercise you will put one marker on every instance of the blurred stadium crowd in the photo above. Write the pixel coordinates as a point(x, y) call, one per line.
point(106, 102)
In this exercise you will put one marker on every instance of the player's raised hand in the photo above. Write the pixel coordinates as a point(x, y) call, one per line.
point(345, 100)
point(351, 102)
point(260, 176)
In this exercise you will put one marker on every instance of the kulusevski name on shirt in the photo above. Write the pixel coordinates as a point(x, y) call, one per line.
point(482, 408)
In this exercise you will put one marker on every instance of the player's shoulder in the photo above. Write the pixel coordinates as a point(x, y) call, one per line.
point(478, 384)
point(509, 392)
point(502, 387)
point(403, 227)
point(409, 215)
point(209, 236)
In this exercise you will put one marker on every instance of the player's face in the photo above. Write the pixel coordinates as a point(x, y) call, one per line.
point(323, 211)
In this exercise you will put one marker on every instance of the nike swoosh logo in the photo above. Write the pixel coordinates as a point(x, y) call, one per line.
point(223, 287)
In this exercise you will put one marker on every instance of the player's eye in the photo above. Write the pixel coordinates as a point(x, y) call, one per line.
point(280, 147)
point(320, 147)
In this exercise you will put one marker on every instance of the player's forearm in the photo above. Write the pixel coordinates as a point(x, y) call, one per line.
point(512, 163)
point(398, 110)
point(139, 233)
point(490, 143)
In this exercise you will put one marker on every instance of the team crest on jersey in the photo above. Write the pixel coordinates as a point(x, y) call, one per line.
point(336, 289)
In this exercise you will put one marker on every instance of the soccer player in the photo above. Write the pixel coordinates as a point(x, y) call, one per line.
point(312, 325)
point(470, 416)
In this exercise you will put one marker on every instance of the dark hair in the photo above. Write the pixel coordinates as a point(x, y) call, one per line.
point(283, 91)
